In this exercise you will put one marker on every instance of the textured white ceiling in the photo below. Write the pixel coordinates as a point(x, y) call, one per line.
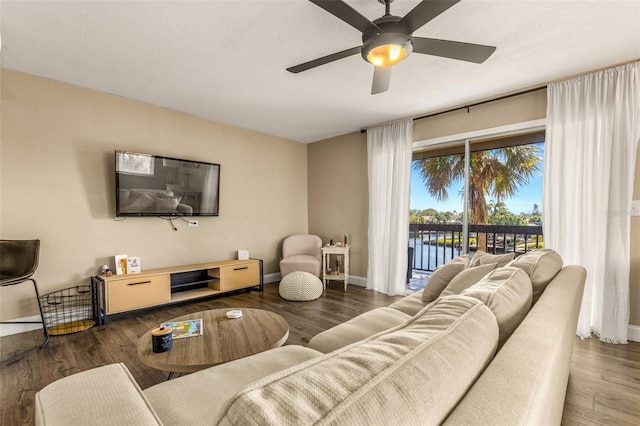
point(226, 60)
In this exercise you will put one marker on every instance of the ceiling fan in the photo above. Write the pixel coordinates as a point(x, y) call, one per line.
point(389, 39)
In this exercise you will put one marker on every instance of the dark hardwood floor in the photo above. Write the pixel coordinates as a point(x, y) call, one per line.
point(604, 386)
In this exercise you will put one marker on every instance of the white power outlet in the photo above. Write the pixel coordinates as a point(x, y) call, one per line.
point(635, 208)
point(193, 223)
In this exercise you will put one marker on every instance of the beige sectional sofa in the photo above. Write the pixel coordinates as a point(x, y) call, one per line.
point(484, 356)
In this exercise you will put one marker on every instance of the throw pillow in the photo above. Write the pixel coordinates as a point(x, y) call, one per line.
point(482, 258)
point(440, 279)
point(541, 265)
point(466, 279)
point(464, 259)
point(507, 292)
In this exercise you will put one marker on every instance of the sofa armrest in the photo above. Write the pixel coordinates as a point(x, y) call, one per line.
point(103, 395)
point(526, 382)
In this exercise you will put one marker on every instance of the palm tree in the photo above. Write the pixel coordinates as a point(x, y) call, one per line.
point(498, 173)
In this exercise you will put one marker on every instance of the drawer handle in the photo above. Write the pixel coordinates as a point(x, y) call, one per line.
point(141, 282)
point(240, 269)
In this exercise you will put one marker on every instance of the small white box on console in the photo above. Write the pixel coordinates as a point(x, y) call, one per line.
point(243, 254)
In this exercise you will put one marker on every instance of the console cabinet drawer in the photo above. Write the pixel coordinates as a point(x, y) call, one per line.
point(243, 275)
point(138, 292)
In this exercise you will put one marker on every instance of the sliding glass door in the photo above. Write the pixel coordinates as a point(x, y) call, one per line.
point(494, 186)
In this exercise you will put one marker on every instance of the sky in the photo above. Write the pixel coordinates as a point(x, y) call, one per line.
point(523, 201)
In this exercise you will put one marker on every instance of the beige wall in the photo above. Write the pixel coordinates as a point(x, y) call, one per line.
point(517, 109)
point(338, 194)
point(57, 183)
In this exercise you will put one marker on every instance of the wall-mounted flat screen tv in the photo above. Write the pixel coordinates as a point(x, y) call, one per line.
point(152, 185)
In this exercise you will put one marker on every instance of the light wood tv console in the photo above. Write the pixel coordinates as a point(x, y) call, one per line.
point(122, 293)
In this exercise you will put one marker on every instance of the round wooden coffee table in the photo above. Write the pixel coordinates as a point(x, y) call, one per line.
point(222, 340)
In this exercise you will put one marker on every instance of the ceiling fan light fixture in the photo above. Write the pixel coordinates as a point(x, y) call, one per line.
point(385, 50)
point(386, 55)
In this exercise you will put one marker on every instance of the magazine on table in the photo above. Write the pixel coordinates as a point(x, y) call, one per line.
point(185, 328)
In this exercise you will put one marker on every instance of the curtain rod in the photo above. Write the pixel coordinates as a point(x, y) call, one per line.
point(475, 104)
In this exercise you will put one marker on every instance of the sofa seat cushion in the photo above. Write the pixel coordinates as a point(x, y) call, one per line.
point(541, 265)
point(410, 305)
point(507, 292)
point(200, 398)
point(482, 258)
point(414, 373)
point(95, 397)
point(358, 328)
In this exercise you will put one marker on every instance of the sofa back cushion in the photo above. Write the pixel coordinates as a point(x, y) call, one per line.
point(414, 373)
point(507, 292)
point(482, 258)
point(440, 278)
point(466, 279)
point(541, 265)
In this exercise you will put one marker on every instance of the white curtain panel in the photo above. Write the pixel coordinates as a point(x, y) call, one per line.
point(389, 165)
point(593, 128)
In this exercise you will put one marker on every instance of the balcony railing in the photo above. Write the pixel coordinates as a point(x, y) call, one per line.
point(435, 244)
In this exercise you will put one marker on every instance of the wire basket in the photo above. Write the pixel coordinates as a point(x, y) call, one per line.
point(68, 311)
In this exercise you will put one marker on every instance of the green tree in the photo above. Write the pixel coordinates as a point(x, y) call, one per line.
point(413, 218)
point(497, 173)
point(429, 212)
point(499, 214)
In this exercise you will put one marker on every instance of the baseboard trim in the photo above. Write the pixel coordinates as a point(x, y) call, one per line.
point(356, 280)
point(633, 333)
point(271, 278)
point(8, 329)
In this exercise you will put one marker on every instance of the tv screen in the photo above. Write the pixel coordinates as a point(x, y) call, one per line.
point(152, 185)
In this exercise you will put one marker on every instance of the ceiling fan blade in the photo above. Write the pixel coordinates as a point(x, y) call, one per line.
point(381, 79)
point(325, 60)
point(423, 13)
point(469, 52)
point(346, 13)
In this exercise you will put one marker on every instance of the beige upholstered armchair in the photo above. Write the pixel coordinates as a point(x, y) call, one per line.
point(301, 253)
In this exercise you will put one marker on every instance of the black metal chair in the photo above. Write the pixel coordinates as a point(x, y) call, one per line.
point(18, 262)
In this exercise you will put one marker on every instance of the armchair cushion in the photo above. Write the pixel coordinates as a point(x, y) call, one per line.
point(301, 253)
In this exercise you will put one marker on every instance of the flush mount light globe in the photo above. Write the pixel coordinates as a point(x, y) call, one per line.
point(387, 49)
